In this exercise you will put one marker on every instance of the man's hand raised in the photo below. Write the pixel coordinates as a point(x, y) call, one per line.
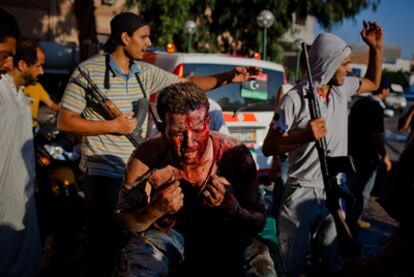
point(372, 34)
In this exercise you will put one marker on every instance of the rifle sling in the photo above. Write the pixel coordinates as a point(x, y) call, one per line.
point(107, 85)
point(107, 82)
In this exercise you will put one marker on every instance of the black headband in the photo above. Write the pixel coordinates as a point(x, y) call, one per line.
point(124, 22)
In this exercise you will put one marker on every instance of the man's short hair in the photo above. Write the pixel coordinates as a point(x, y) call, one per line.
point(26, 50)
point(385, 83)
point(8, 26)
point(180, 98)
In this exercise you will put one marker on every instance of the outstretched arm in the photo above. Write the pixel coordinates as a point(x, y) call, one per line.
point(236, 75)
point(372, 35)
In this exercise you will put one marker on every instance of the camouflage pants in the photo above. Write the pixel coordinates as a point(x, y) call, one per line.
point(155, 253)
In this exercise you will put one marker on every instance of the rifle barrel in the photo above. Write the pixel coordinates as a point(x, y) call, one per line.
point(95, 88)
point(332, 198)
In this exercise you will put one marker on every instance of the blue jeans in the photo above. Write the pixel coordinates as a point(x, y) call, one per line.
point(304, 221)
point(156, 253)
point(361, 187)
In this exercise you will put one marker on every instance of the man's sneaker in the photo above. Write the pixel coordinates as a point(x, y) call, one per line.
point(363, 225)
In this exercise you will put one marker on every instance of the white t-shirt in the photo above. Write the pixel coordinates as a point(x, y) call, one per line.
point(20, 249)
point(293, 116)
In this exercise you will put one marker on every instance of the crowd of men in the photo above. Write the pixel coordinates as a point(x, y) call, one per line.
point(186, 202)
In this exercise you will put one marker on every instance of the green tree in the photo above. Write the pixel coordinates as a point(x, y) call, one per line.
point(230, 26)
point(166, 18)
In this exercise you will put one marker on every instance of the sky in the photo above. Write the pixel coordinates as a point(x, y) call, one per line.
point(395, 16)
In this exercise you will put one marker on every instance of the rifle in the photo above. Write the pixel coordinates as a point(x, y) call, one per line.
point(330, 167)
point(110, 110)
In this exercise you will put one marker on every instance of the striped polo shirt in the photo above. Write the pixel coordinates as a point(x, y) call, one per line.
point(108, 154)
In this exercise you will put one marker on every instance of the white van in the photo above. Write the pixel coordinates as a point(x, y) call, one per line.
point(247, 108)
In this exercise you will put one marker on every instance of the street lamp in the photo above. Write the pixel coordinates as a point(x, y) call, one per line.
point(189, 28)
point(265, 19)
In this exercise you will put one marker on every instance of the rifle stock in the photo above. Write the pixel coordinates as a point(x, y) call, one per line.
point(110, 110)
point(330, 166)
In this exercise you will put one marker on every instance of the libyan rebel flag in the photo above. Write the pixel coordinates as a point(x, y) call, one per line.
point(255, 89)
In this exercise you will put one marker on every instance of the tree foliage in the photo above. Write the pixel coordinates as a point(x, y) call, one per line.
point(397, 77)
point(230, 26)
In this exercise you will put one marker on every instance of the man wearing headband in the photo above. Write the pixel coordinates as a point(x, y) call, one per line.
point(125, 80)
point(303, 215)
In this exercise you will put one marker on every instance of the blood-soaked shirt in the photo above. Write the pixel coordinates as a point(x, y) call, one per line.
point(234, 162)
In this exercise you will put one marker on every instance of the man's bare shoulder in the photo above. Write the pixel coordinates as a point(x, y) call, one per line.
point(227, 144)
point(223, 140)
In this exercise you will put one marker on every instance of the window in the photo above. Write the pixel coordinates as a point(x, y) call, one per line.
point(248, 96)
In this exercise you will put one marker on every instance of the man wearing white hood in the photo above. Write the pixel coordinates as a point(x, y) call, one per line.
point(303, 215)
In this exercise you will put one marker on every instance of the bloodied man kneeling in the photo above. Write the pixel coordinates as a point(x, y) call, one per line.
point(190, 198)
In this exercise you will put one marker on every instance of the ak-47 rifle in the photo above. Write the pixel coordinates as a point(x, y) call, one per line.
point(330, 167)
point(110, 110)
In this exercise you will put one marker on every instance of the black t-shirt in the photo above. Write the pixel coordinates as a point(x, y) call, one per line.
point(366, 117)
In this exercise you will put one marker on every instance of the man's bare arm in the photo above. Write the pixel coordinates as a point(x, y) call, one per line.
point(277, 143)
point(236, 75)
point(72, 122)
point(373, 36)
point(167, 198)
point(51, 105)
point(139, 221)
point(379, 142)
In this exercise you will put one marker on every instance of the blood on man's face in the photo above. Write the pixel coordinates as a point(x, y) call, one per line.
point(188, 134)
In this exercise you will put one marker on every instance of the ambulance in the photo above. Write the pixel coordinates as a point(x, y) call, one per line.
point(247, 107)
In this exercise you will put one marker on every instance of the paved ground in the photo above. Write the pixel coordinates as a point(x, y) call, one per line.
point(375, 239)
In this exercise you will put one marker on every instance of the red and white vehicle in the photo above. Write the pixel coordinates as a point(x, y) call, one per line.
point(247, 107)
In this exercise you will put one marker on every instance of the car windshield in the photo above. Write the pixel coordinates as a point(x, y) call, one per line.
point(254, 95)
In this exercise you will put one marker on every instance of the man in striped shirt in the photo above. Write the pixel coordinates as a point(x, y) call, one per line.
point(105, 149)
